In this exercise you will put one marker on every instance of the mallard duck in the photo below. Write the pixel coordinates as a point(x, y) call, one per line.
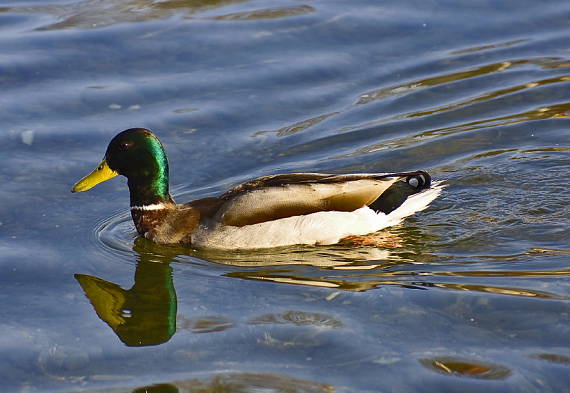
point(270, 211)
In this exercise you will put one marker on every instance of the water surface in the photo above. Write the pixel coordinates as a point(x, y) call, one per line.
point(470, 295)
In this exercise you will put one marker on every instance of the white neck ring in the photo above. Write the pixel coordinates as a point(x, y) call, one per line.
point(156, 206)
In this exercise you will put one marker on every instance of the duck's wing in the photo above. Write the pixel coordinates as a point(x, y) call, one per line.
point(280, 196)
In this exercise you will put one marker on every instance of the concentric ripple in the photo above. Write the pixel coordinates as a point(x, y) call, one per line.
point(116, 234)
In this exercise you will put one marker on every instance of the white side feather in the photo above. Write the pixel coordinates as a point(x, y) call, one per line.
point(326, 227)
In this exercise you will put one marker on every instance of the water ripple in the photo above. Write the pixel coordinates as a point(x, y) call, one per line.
point(115, 235)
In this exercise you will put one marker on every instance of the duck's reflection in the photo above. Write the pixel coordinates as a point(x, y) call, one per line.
point(142, 315)
point(145, 314)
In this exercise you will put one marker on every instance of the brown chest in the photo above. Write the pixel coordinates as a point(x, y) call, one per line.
point(148, 220)
point(166, 225)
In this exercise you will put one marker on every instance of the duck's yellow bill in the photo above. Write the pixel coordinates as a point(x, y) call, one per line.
point(99, 175)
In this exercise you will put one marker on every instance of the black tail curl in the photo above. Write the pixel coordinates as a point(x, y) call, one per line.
point(420, 181)
point(398, 192)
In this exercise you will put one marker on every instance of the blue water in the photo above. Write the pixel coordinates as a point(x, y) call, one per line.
point(471, 295)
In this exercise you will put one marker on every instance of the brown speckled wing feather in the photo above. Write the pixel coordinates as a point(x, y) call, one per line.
point(280, 196)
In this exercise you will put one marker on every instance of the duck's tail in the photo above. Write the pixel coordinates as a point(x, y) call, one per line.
point(414, 202)
point(399, 192)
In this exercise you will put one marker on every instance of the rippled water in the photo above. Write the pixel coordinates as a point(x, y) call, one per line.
point(470, 295)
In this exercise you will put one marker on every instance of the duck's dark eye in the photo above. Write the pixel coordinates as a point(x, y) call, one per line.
point(125, 145)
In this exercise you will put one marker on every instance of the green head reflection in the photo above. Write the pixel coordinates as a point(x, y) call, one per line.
point(143, 315)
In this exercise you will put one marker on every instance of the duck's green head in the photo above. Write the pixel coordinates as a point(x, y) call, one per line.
point(138, 155)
